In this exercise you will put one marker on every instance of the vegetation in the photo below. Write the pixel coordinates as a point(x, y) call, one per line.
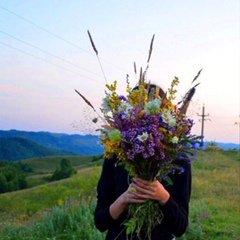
point(18, 148)
point(39, 144)
point(65, 170)
point(64, 209)
point(29, 173)
point(12, 177)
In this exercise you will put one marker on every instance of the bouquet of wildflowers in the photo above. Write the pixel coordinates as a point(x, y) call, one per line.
point(147, 133)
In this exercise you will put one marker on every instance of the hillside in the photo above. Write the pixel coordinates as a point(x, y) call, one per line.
point(18, 148)
point(56, 210)
point(78, 144)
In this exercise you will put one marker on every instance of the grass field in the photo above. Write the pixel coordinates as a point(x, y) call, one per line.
point(64, 209)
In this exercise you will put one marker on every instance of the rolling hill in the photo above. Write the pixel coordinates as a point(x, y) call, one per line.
point(18, 148)
point(64, 143)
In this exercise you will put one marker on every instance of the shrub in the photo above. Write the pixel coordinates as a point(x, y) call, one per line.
point(65, 170)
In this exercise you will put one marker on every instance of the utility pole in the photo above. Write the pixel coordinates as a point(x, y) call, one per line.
point(203, 120)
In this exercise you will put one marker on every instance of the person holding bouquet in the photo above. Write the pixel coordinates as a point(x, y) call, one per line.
point(118, 190)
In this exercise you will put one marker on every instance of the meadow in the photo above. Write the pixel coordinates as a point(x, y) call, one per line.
point(63, 210)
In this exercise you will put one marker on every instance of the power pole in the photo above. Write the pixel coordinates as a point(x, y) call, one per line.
point(203, 120)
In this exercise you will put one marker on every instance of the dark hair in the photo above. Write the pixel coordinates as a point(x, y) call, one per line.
point(152, 90)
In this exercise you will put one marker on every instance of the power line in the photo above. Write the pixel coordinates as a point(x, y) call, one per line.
point(55, 35)
point(56, 65)
point(45, 30)
point(64, 60)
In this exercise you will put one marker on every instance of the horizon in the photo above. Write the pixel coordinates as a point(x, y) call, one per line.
point(91, 134)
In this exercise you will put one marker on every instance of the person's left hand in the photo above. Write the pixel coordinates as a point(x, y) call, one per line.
point(150, 190)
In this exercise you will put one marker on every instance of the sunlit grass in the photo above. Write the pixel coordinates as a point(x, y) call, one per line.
point(64, 209)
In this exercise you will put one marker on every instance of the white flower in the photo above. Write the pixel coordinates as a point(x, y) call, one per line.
point(143, 137)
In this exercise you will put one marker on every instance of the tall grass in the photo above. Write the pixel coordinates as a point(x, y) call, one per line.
point(64, 209)
point(214, 208)
point(68, 222)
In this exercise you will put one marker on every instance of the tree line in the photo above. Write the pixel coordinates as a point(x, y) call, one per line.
point(13, 174)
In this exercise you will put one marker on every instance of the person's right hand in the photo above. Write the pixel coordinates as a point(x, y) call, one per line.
point(130, 196)
point(122, 202)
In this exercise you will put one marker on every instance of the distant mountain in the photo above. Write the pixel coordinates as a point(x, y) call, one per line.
point(227, 146)
point(78, 144)
point(49, 144)
point(17, 148)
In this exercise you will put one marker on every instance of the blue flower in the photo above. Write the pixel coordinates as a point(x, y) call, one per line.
point(182, 170)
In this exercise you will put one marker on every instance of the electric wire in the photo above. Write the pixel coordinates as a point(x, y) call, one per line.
point(60, 38)
point(46, 61)
point(51, 54)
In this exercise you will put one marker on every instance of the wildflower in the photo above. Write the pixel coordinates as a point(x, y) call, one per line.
point(143, 137)
point(180, 156)
point(153, 106)
point(115, 135)
point(105, 105)
point(172, 122)
point(175, 139)
point(182, 170)
point(95, 120)
point(167, 116)
point(122, 98)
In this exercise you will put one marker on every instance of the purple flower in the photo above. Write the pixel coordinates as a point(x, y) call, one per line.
point(182, 170)
point(121, 97)
point(193, 154)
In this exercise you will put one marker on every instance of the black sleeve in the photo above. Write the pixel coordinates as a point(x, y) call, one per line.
point(177, 207)
point(105, 197)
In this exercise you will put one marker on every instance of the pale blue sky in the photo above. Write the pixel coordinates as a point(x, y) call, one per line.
point(45, 54)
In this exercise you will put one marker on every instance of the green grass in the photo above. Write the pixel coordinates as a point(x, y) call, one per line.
point(214, 209)
point(43, 168)
point(46, 165)
point(64, 209)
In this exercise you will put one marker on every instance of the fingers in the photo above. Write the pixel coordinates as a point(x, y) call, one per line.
point(141, 185)
point(133, 196)
point(147, 189)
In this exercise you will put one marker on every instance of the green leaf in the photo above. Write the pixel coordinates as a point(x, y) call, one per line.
point(169, 180)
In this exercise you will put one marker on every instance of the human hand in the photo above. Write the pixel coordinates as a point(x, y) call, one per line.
point(132, 196)
point(123, 201)
point(153, 190)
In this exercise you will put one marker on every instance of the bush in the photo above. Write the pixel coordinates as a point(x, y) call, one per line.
point(11, 179)
point(65, 170)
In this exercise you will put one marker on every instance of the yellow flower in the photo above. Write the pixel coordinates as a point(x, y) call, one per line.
point(60, 202)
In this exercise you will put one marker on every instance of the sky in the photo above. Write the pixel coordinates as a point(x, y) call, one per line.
point(45, 54)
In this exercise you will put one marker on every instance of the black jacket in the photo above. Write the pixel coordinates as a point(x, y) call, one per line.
point(114, 181)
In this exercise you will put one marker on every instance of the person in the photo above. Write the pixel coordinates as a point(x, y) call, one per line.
point(116, 190)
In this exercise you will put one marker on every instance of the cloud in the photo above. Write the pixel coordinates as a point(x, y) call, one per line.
point(9, 89)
